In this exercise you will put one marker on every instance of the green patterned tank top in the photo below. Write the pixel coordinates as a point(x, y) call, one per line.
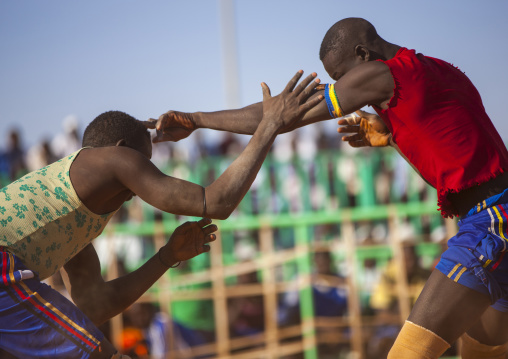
point(43, 221)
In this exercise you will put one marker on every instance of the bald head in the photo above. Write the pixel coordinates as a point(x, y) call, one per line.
point(345, 34)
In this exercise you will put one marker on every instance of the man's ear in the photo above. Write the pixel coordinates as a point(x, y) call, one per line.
point(122, 142)
point(362, 52)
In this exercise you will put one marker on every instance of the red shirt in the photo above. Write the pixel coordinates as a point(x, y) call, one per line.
point(437, 119)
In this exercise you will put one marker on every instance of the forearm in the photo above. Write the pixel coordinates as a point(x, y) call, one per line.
point(243, 121)
point(225, 193)
point(246, 120)
point(114, 296)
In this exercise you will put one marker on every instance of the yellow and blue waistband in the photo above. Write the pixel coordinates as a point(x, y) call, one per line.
point(489, 202)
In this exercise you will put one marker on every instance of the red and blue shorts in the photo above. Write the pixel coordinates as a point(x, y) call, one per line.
point(476, 255)
point(38, 322)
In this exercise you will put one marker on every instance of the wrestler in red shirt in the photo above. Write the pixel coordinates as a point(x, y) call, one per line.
point(433, 115)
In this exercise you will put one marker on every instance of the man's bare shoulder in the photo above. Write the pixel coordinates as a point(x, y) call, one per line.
point(111, 164)
point(112, 155)
point(105, 177)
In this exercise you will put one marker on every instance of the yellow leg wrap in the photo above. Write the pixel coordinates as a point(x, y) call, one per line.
point(416, 342)
point(473, 349)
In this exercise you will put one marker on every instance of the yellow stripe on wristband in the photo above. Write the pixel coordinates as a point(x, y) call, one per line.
point(337, 111)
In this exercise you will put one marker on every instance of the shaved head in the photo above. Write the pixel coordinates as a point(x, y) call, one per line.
point(345, 34)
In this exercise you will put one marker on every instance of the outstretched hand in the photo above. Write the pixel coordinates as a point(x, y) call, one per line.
point(367, 130)
point(290, 105)
point(171, 126)
point(189, 240)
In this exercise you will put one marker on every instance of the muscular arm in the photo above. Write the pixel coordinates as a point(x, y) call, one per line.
point(135, 172)
point(367, 84)
point(101, 300)
point(124, 169)
point(246, 120)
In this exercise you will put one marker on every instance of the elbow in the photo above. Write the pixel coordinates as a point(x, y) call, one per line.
point(220, 213)
point(220, 205)
point(96, 307)
point(220, 210)
point(93, 312)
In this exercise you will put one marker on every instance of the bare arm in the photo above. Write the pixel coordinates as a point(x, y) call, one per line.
point(101, 300)
point(367, 84)
point(135, 172)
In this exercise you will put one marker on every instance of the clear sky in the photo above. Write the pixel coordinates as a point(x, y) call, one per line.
point(145, 57)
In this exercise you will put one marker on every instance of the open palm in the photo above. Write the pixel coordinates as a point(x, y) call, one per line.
point(366, 130)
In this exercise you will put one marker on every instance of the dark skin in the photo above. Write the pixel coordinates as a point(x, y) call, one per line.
point(105, 177)
point(445, 307)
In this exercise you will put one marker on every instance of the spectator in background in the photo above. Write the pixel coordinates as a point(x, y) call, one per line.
point(330, 300)
point(385, 301)
point(146, 334)
point(69, 141)
point(40, 156)
point(246, 313)
point(229, 145)
point(15, 156)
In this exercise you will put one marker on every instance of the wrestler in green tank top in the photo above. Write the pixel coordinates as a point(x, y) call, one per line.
point(43, 221)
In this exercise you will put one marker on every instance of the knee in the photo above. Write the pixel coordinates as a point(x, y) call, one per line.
point(416, 342)
point(473, 349)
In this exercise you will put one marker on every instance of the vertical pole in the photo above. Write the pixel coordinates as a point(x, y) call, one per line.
point(306, 299)
point(269, 293)
point(355, 319)
point(112, 273)
point(219, 299)
point(451, 227)
point(367, 195)
point(399, 258)
point(164, 293)
point(229, 53)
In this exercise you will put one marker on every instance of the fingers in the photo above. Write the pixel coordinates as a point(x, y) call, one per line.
point(266, 91)
point(150, 124)
point(210, 238)
point(355, 140)
point(162, 137)
point(350, 120)
point(357, 144)
point(204, 222)
point(320, 87)
point(355, 137)
point(309, 90)
point(160, 122)
point(348, 129)
point(210, 229)
point(292, 83)
point(362, 113)
point(306, 81)
point(311, 103)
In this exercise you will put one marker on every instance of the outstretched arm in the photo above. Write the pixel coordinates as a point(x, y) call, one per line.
point(367, 84)
point(101, 300)
point(176, 125)
point(140, 176)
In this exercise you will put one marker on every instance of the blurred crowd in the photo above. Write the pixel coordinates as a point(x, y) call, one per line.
point(310, 170)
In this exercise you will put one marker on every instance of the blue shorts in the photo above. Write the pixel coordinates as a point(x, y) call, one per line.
point(476, 257)
point(38, 322)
